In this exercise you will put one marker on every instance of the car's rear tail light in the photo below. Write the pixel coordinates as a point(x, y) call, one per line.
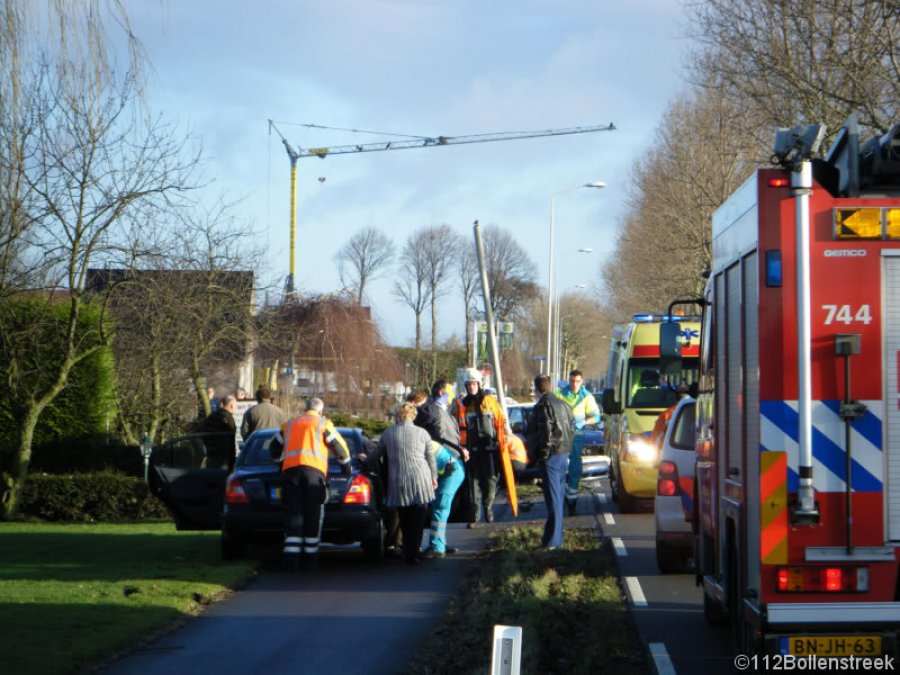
point(667, 482)
point(360, 491)
point(234, 492)
point(666, 487)
point(823, 579)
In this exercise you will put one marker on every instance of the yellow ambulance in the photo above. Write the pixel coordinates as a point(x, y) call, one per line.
point(636, 393)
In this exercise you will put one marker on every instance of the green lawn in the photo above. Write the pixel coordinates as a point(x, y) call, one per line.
point(73, 593)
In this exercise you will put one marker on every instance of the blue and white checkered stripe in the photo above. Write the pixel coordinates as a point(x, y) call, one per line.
point(779, 432)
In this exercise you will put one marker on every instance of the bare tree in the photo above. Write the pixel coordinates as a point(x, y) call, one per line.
point(469, 284)
point(84, 157)
point(664, 243)
point(362, 259)
point(510, 272)
point(412, 285)
point(788, 61)
point(440, 250)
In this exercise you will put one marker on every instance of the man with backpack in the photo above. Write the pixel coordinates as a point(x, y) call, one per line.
point(549, 443)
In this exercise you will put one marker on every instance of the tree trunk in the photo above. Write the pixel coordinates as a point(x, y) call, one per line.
point(434, 353)
point(418, 347)
point(12, 480)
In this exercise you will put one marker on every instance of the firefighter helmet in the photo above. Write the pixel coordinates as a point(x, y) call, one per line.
point(474, 375)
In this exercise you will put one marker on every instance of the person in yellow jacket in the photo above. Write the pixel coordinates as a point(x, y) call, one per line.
point(302, 446)
point(482, 431)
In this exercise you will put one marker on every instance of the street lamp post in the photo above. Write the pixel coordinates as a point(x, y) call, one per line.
point(550, 264)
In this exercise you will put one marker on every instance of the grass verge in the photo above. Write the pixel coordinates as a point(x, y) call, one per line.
point(73, 593)
point(568, 603)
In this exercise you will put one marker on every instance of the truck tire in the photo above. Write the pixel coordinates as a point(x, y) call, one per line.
point(713, 612)
point(669, 560)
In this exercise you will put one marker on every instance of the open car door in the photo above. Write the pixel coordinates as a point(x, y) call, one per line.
point(188, 475)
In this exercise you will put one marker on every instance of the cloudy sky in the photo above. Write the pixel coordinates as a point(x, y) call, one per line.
point(224, 68)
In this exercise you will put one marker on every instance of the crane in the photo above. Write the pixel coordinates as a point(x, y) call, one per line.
point(407, 143)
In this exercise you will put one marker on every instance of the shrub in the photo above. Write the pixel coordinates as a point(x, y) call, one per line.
point(89, 497)
point(372, 428)
point(87, 455)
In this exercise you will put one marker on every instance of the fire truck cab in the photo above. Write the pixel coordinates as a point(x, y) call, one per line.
point(797, 491)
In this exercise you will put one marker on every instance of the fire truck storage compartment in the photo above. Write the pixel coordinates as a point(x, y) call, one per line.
point(891, 328)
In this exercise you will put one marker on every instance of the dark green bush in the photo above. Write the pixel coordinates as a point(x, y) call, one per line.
point(87, 455)
point(89, 497)
point(371, 427)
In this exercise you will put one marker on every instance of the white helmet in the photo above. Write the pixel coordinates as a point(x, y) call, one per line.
point(474, 375)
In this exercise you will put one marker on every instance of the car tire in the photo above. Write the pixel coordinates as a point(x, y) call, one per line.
point(232, 547)
point(373, 545)
point(669, 560)
point(627, 502)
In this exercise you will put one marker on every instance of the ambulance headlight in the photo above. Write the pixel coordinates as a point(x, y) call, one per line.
point(639, 449)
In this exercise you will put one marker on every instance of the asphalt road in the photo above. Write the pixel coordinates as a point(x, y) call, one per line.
point(668, 608)
point(347, 617)
point(352, 617)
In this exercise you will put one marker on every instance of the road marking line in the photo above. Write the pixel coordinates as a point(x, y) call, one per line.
point(608, 517)
point(619, 545)
point(634, 590)
point(664, 665)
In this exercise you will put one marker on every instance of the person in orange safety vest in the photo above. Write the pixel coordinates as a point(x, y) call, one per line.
point(303, 445)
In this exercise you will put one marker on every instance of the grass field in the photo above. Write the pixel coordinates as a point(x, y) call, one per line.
point(73, 593)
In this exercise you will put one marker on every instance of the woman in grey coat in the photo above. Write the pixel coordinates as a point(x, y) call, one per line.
point(412, 477)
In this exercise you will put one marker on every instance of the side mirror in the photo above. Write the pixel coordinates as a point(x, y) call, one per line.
point(610, 405)
point(669, 348)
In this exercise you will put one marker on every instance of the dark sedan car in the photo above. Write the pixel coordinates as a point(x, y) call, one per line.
point(247, 504)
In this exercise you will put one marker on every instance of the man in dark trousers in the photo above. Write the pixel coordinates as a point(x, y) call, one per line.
point(482, 431)
point(550, 442)
point(302, 446)
point(264, 415)
point(221, 450)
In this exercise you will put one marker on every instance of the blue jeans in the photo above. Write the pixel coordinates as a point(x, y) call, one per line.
point(573, 476)
point(554, 486)
point(448, 484)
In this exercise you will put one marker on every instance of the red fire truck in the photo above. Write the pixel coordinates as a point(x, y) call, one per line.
point(797, 524)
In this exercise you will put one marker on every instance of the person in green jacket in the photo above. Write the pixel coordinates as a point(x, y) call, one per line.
point(585, 411)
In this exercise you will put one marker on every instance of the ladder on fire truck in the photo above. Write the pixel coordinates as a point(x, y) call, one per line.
point(408, 142)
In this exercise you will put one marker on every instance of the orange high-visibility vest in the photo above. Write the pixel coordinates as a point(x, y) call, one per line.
point(516, 449)
point(306, 439)
point(490, 406)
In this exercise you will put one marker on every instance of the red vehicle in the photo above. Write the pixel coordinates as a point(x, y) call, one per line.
point(797, 492)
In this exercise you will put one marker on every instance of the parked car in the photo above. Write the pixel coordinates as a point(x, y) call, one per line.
point(674, 501)
point(594, 460)
point(247, 504)
point(595, 464)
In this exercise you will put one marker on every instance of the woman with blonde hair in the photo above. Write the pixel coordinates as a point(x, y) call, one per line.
point(412, 476)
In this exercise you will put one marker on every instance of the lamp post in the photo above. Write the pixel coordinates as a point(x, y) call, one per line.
point(550, 263)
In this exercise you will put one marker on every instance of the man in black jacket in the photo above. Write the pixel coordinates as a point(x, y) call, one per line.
point(550, 442)
point(434, 416)
point(221, 449)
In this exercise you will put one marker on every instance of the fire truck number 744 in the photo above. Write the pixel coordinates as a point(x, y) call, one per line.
point(845, 314)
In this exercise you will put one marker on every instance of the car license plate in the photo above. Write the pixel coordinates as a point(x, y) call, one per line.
point(274, 494)
point(831, 645)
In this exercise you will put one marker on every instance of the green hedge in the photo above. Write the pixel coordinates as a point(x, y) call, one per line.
point(89, 497)
point(372, 427)
point(87, 455)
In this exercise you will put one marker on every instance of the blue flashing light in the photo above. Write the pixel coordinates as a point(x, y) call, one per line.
point(666, 318)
